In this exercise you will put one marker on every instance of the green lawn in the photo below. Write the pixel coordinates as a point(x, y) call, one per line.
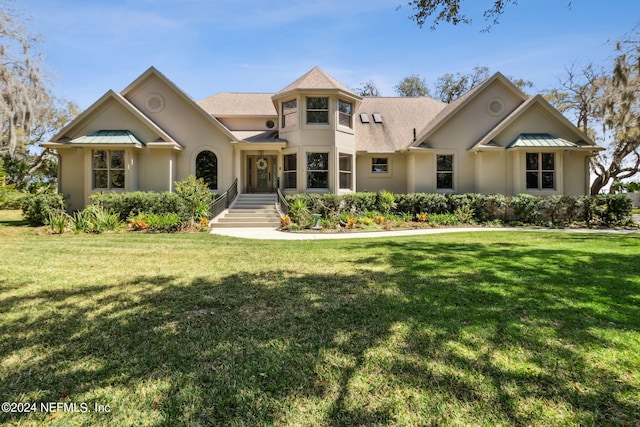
point(495, 328)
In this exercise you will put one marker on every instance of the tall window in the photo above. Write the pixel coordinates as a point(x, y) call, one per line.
point(317, 110)
point(345, 171)
point(207, 169)
point(290, 113)
point(379, 165)
point(317, 170)
point(444, 175)
point(108, 169)
point(290, 171)
point(344, 113)
point(541, 170)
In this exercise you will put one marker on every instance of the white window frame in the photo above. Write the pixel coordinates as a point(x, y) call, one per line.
point(452, 172)
point(343, 114)
point(386, 172)
point(293, 111)
point(344, 172)
point(286, 171)
point(312, 171)
point(317, 110)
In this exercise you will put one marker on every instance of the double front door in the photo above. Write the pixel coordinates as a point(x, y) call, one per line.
point(261, 174)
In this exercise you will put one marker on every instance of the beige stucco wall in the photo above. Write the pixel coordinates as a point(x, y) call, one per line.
point(71, 179)
point(575, 175)
point(156, 169)
point(491, 172)
point(395, 181)
point(461, 133)
point(188, 126)
point(248, 123)
point(112, 115)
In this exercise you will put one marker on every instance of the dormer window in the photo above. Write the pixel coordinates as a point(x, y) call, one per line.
point(345, 110)
point(317, 110)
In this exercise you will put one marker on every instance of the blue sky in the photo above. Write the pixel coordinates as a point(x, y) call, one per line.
point(211, 46)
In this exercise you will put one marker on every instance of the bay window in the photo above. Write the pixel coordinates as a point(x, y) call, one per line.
point(540, 172)
point(108, 169)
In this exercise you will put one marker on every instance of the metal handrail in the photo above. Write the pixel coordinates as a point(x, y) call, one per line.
point(224, 200)
point(284, 206)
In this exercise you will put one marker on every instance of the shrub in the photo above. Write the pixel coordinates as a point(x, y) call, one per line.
point(99, 220)
point(357, 203)
point(168, 222)
point(10, 198)
point(59, 221)
point(465, 214)
point(130, 204)
point(385, 201)
point(285, 221)
point(527, 208)
point(37, 208)
point(444, 219)
point(196, 197)
point(608, 209)
point(299, 212)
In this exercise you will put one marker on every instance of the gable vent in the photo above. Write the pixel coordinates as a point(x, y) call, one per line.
point(377, 118)
point(364, 117)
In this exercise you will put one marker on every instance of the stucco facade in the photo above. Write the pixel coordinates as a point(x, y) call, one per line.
point(316, 135)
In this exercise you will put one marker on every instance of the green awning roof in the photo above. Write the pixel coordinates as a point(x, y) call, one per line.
point(540, 140)
point(109, 137)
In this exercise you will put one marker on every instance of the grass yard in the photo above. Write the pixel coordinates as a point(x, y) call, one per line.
point(495, 328)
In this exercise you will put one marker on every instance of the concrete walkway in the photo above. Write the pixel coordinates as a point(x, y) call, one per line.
point(273, 234)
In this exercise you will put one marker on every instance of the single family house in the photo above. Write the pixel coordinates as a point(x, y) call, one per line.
point(317, 135)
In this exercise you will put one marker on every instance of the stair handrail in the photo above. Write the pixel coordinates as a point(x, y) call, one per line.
point(282, 201)
point(224, 200)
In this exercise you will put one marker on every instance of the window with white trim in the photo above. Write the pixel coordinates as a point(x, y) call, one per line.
point(380, 165)
point(345, 166)
point(317, 110)
point(541, 171)
point(290, 113)
point(108, 169)
point(290, 171)
point(444, 173)
point(318, 170)
point(345, 112)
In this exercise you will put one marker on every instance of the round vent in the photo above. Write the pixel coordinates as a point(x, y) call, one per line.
point(155, 103)
point(495, 107)
point(270, 124)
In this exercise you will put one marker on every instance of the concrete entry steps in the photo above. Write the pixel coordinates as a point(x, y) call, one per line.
point(250, 210)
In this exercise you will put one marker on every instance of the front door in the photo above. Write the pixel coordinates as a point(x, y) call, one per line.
point(261, 171)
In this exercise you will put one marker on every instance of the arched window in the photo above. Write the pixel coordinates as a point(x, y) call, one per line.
point(207, 169)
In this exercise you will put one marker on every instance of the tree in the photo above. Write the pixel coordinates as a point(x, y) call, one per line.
point(606, 106)
point(368, 88)
point(450, 87)
point(28, 112)
point(412, 85)
point(450, 11)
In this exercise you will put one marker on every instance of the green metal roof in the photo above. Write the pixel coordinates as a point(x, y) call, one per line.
point(109, 137)
point(540, 140)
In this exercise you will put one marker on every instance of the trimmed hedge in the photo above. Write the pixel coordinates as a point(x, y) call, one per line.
point(131, 204)
point(606, 210)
